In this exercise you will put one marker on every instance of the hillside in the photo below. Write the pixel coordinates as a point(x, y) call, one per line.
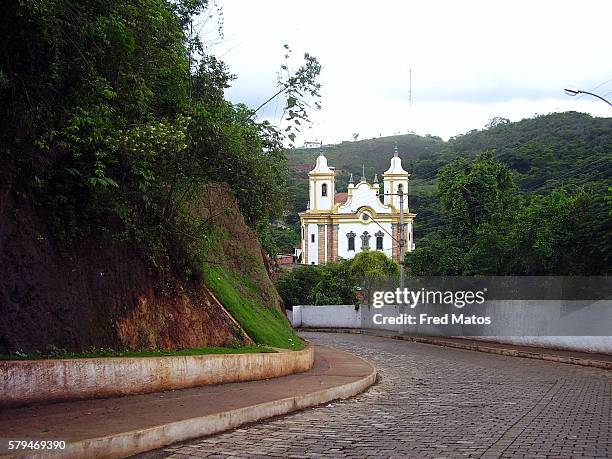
point(373, 153)
point(133, 195)
point(546, 152)
point(102, 295)
point(537, 147)
point(560, 149)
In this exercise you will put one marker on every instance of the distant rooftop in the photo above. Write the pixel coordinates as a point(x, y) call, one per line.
point(312, 144)
point(340, 198)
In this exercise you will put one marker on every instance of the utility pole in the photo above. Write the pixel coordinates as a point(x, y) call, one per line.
point(402, 241)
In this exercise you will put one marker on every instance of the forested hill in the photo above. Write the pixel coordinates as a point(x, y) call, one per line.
point(560, 149)
point(373, 153)
point(529, 197)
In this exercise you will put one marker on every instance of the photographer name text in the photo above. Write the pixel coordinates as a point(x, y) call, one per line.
point(427, 319)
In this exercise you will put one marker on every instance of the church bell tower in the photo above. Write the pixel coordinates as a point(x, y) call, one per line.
point(322, 185)
point(395, 179)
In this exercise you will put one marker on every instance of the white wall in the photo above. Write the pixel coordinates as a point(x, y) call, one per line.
point(345, 316)
point(24, 382)
point(598, 344)
point(313, 247)
point(358, 228)
point(363, 195)
point(322, 202)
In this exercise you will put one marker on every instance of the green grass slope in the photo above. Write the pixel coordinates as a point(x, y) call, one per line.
point(233, 269)
point(156, 353)
point(266, 326)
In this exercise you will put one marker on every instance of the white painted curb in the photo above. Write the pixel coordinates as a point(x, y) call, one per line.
point(138, 441)
point(35, 381)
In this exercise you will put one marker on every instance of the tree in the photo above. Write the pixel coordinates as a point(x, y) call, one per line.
point(490, 229)
point(295, 85)
point(296, 286)
point(113, 119)
point(561, 234)
point(478, 201)
point(475, 192)
point(355, 136)
point(332, 283)
point(284, 239)
point(371, 268)
point(435, 255)
point(336, 285)
point(497, 121)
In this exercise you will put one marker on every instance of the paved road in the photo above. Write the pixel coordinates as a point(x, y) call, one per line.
point(442, 402)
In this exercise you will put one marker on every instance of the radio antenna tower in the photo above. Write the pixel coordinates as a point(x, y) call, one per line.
point(410, 88)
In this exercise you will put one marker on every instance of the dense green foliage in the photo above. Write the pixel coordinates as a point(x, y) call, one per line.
point(284, 239)
point(264, 325)
point(335, 283)
point(372, 268)
point(541, 179)
point(374, 153)
point(492, 228)
point(112, 116)
point(114, 121)
point(332, 283)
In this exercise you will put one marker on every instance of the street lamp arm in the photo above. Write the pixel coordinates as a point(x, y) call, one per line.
point(573, 91)
point(595, 95)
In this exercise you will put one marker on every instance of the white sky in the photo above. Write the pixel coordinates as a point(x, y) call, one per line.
point(470, 60)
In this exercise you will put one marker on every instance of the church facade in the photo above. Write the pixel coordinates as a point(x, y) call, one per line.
point(366, 217)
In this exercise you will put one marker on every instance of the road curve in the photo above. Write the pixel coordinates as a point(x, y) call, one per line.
point(437, 401)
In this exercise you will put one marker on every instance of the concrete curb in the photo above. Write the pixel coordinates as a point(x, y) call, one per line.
point(514, 352)
point(25, 382)
point(139, 441)
point(476, 347)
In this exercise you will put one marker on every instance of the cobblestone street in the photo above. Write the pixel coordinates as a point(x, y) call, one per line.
point(437, 401)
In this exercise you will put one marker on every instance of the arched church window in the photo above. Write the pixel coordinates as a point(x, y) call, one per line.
point(379, 240)
point(400, 188)
point(324, 189)
point(365, 241)
point(351, 240)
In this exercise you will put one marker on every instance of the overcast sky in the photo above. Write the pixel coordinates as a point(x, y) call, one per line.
point(470, 60)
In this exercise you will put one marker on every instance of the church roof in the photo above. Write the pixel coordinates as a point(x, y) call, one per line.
point(340, 198)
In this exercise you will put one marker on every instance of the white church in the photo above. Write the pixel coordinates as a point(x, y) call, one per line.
point(366, 217)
